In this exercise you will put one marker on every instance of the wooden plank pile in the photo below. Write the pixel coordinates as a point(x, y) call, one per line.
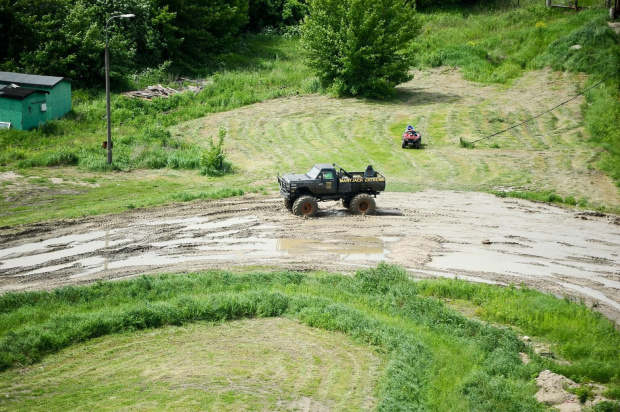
point(152, 91)
point(160, 91)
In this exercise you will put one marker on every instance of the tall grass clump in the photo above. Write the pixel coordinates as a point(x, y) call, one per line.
point(585, 338)
point(213, 159)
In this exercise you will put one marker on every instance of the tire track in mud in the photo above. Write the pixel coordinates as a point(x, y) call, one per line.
point(472, 236)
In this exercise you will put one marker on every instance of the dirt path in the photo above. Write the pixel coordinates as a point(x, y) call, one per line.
point(434, 233)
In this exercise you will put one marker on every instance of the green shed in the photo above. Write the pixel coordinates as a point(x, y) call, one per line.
point(28, 100)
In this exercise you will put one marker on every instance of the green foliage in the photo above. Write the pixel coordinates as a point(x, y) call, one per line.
point(466, 144)
point(152, 76)
point(495, 45)
point(597, 52)
point(593, 48)
point(606, 406)
point(582, 336)
point(379, 306)
point(548, 197)
point(67, 37)
point(213, 159)
point(356, 46)
point(584, 393)
point(275, 13)
point(266, 66)
point(612, 392)
point(382, 279)
point(203, 27)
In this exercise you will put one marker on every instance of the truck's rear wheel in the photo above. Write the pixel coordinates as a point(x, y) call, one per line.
point(305, 206)
point(363, 204)
point(346, 203)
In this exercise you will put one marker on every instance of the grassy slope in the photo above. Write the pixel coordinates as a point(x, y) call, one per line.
point(436, 357)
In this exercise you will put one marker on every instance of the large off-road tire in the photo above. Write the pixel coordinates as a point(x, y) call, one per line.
point(404, 145)
point(418, 144)
point(288, 203)
point(346, 203)
point(305, 206)
point(363, 204)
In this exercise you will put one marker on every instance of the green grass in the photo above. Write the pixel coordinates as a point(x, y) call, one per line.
point(202, 366)
point(585, 338)
point(436, 357)
point(108, 193)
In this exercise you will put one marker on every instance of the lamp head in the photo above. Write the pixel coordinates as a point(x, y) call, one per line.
point(127, 16)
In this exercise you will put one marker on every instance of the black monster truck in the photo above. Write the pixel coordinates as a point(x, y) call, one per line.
point(356, 190)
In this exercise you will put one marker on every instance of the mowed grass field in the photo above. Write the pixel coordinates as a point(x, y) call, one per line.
point(260, 364)
point(550, 153)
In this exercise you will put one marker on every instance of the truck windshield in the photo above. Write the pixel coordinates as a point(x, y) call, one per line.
point(313, 173)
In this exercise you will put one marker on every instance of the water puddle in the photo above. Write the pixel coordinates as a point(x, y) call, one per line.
point(183, 222)
point(500, 260)
point(591, 292)
point(364, 248)
point(62, 253)
point(46, 244)
point(100, 251)
point(222, 223)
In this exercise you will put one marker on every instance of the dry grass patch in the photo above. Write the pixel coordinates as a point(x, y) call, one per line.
point(253, 364)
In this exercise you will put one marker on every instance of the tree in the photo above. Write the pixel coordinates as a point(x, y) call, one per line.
point(275, 13)
point(357, 47)
point(204, 27)
point(67, 37)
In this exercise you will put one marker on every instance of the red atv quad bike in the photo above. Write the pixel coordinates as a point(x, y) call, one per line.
point(413, 139)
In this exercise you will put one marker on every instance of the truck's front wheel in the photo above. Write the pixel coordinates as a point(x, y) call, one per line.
point(305, 206)
point(363, 204)
point(288, 203)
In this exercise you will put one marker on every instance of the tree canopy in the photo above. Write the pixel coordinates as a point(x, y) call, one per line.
point(67, 37)
point(357, 47)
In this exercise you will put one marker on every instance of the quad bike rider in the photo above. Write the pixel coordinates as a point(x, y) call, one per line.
point(412, 138)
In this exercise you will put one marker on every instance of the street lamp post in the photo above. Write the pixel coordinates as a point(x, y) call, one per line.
point(107, 81)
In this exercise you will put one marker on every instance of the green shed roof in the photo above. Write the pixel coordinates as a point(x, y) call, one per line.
point(32, 80)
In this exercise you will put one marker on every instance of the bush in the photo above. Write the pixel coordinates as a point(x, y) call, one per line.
point(213, 159)
point(357, 47)
point(606, 406)
point(382, 278)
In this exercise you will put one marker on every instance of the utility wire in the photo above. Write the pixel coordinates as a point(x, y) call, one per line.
point(553, 108)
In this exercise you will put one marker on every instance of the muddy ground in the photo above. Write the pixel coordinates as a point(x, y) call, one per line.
point(471, 236)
